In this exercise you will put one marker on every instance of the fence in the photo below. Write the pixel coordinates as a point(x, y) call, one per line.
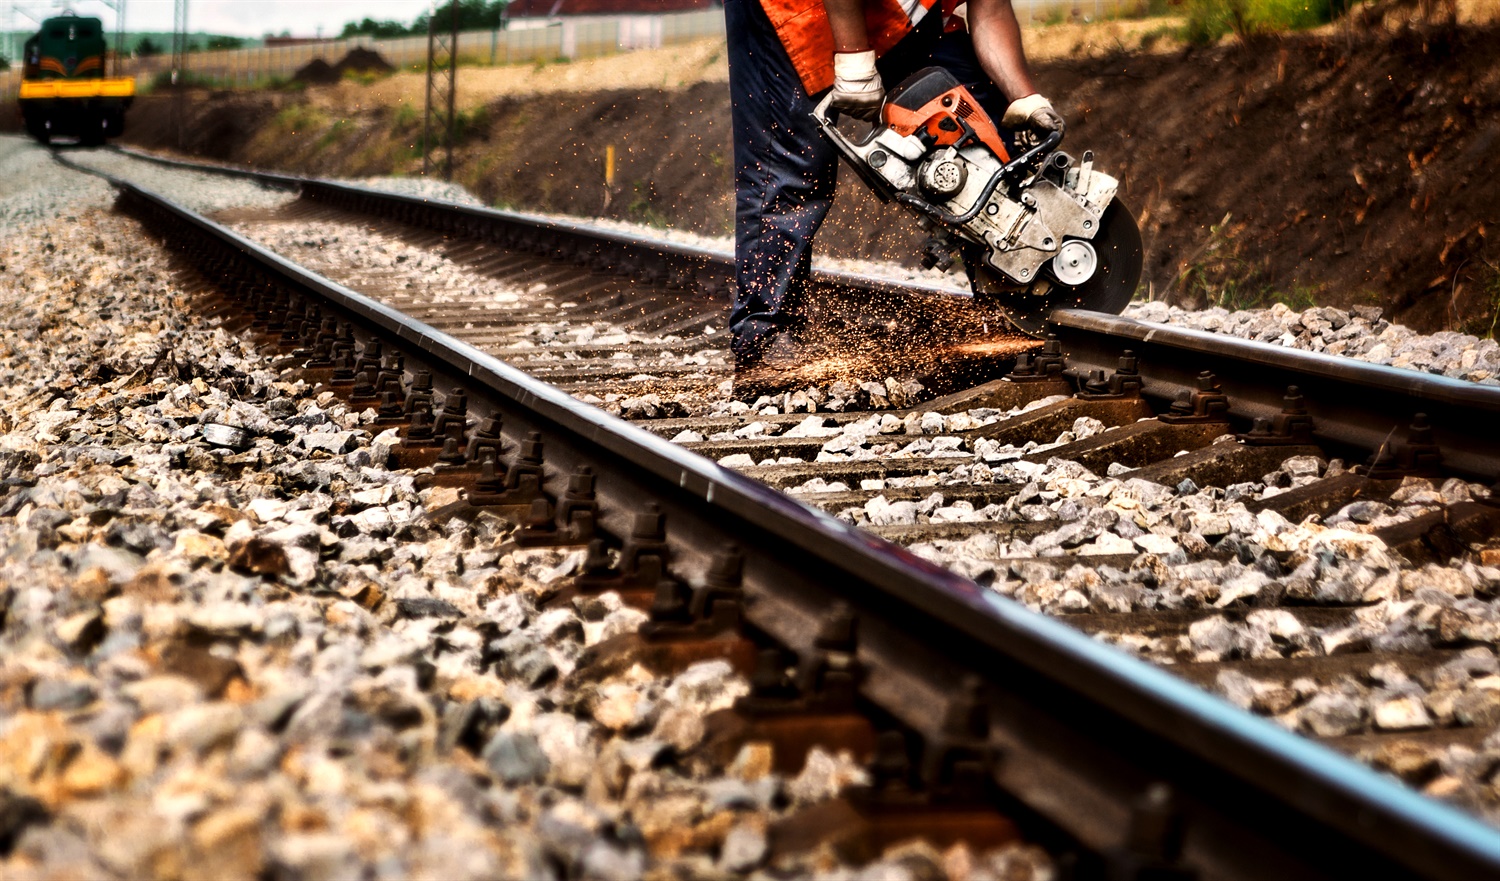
point(570, 39)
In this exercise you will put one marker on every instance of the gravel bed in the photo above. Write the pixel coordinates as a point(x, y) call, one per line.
point(375, 578)
point(198, 191)
point(1358, 333)
point(271, 663)
point(37, 188)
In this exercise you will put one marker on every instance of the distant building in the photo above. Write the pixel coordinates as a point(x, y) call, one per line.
point(293, 41)
point(556, 8)
point(542, 13)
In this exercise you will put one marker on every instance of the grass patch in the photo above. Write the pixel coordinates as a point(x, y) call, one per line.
point(296, 118)
point(185, 79)
point(1208, 20)
point(642, 206)
point(340, 129)
point(365, 77)
point(470, 122)
point(1220, 276)
point(1484, 325)
point(405, 119)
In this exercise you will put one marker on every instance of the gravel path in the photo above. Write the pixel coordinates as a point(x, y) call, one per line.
point(270, 663)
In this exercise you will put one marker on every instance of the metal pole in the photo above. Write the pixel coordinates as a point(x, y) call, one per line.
point(179, 68)
point(120, 53)
point(427, 104)
point(119, 7)
point(452, 76)
point(439, 132)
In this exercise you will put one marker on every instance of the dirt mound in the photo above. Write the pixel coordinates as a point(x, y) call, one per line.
point(317, 72)
point(1341, 168)
point(1344, 169)
point(363, 61)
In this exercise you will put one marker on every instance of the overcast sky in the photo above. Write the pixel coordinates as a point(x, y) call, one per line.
point(242, 18)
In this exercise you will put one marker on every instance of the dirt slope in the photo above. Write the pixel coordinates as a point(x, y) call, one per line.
point(1342, 168)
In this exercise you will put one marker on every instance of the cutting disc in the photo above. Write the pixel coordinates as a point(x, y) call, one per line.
point(1099, 274)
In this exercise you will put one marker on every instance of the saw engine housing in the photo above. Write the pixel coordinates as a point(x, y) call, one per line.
point(937, 152)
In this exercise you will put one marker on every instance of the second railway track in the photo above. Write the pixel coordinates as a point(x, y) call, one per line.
point(1063, 484)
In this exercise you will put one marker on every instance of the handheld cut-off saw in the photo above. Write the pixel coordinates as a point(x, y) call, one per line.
point(1035, 232)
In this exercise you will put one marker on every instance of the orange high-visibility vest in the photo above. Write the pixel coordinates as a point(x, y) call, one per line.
point(803, 28)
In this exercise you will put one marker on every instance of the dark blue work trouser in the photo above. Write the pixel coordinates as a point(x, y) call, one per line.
point(784, 168)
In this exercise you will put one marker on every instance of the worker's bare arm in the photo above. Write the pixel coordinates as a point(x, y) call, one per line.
point(847, 18)
point(857, 89)
point(997, 42)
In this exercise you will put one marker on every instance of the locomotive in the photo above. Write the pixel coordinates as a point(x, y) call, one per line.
point(64, 92)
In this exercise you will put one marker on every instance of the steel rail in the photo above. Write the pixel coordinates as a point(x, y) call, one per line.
point(716, 268)
point(1082, 730)
point(1352, 403)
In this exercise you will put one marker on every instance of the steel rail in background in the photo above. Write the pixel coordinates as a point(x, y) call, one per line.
point(1352, 403)
point(1083, 729)
point(718, 266)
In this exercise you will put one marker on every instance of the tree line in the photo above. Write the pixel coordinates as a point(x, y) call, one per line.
point(473, 15)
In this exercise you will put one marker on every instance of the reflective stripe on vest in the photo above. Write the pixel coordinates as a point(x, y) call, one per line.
point(803, 28)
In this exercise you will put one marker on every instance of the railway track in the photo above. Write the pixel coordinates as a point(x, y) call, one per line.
point(975, 476)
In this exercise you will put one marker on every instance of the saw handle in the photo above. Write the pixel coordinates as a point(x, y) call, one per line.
point(827, 115)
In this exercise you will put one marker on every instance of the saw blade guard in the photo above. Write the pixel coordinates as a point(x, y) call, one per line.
point(1099, 274)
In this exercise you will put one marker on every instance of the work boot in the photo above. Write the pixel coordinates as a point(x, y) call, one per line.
point(770, 369)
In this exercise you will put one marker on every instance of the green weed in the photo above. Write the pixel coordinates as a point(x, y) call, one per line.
point(340, 129)
point(299, 117)
point(1208, 20)
point(471, 122)
point(365, 77)
point(1219, 276)
point(405, 119)
point(642, 208)
point(1489, 286)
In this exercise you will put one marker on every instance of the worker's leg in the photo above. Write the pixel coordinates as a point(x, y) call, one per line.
point(783, 180)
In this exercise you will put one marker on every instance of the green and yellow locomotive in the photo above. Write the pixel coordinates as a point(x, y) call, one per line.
point(64, 92)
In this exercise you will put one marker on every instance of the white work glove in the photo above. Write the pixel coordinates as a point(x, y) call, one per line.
point(857, 89)
point(1033, 119)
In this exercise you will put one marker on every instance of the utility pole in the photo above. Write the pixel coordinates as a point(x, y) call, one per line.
point(119, 43)
point(179, 67)
point(120, 53)
point(439, 121)
point(8, 23)
point(8, 26)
